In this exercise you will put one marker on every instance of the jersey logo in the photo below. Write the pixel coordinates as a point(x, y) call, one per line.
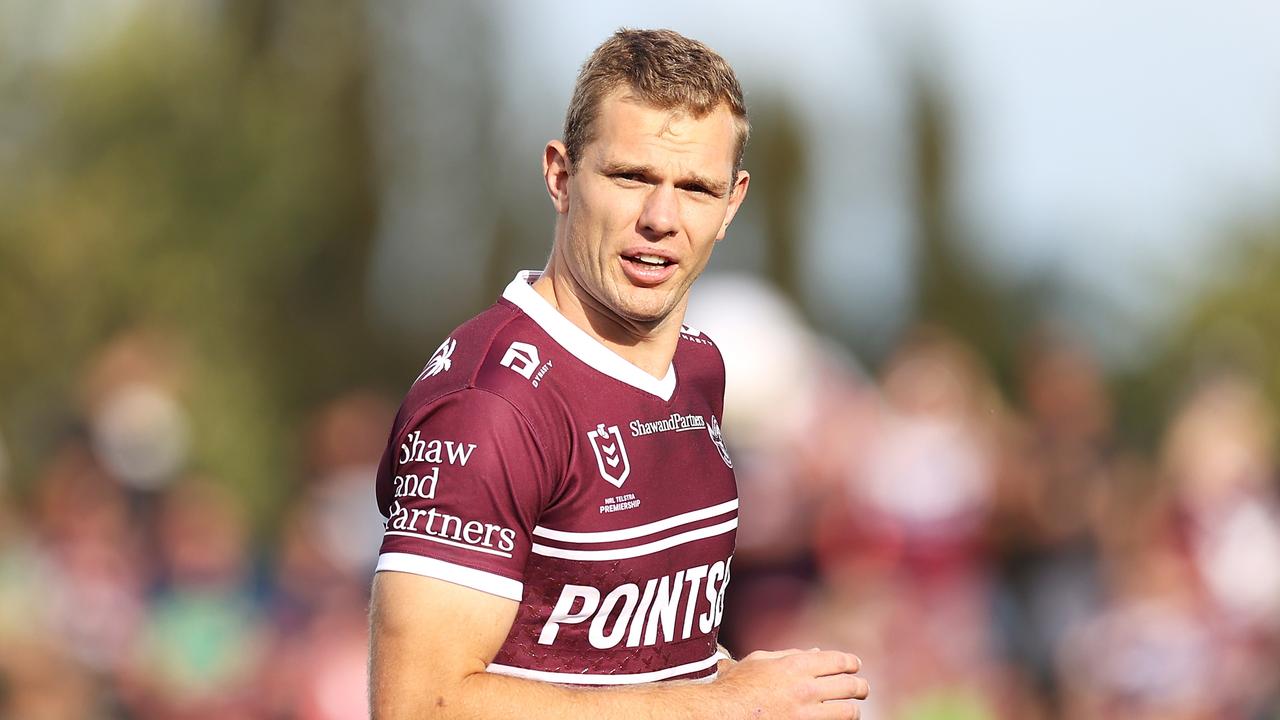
point(694, 334)
point(521, 357)
point(611, 454)
point(713, 429)
point(439, 361)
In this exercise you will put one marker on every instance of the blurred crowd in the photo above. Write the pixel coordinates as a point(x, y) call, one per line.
point(989, 553)
point(999, 554)
point(132, 587)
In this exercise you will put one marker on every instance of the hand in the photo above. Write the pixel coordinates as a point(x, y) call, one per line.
point(801, 684)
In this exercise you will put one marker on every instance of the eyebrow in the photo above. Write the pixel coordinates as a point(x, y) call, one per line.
point(717, 188)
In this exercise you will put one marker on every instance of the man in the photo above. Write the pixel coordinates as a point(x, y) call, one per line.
point(561, 506)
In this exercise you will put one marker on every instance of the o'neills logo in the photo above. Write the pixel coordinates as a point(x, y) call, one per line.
point(672, 608)
point(675, 423)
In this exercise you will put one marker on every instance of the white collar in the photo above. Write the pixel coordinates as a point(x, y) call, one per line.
point(580, 344)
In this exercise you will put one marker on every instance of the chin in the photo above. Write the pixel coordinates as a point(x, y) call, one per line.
point(647, 306)
point(644, 315)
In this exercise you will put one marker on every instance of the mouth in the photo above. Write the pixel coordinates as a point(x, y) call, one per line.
point(647, 269)
point(648, 260)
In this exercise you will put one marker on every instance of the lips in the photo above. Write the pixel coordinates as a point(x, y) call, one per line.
point(648, 267)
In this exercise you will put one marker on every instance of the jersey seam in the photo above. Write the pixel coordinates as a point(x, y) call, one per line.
point(488, 348)
point(515, 314)
point(532, 431)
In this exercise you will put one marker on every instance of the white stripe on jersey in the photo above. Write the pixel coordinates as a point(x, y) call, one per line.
point(637, 550)
point(638, 530)
point(584, 679)
point(457, 574)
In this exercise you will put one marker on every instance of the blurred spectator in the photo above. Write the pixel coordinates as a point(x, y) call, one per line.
point(1149, 654)
point(318, 671)
point(95, 570)
point(344, 446)
point(328, 545)
point(202, 645)
point(130, 393)
point(39, 680)
point(919, 491)
point(1057, 479)
point(1220, 459)
point(909, 535)
point(331, 529)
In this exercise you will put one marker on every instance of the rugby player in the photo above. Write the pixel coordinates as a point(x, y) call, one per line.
point(560, 503)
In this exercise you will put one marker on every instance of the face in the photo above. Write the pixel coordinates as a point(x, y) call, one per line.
point(639, 215)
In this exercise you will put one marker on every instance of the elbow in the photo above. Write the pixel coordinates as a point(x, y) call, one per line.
point(389, 711)
point(433, 707)
point(424, 704)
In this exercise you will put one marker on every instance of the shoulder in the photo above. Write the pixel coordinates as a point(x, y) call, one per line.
point(500, 337)
point(700, 365)
point(487, 366)
point(698, 352)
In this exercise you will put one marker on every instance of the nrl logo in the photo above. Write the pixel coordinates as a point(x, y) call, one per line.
point(713, 429)
point(611, 454)
point(439, 361)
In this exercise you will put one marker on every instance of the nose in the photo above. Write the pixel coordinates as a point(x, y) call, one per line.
point(658, 217)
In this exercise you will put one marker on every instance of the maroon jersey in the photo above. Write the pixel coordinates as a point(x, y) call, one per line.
point(530, 461)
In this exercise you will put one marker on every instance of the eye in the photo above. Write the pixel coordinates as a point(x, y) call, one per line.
point(699, 189)
point(626, 176)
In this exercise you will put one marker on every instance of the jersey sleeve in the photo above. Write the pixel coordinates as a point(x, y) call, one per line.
point(461, 487)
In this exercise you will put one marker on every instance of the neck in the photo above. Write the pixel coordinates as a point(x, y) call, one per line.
point(649, 347)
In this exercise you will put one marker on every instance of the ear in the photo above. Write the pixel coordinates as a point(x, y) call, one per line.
point(736, 196)
point(555, 172)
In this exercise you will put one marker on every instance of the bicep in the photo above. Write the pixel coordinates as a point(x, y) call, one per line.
point(426, 636)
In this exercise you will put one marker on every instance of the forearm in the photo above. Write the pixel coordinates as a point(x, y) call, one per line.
point(489, 695)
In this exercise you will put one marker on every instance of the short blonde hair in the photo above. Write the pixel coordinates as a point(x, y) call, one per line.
point(662, 68)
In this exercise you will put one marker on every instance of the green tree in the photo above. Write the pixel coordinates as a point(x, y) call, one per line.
point(205, 173)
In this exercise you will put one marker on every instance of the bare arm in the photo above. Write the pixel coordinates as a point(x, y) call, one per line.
point(431, 641)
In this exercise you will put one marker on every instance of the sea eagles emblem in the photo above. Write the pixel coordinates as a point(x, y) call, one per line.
point(611, 454)
point(713, 429)
point(439, 361)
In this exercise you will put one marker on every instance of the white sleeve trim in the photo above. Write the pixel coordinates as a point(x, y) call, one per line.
point(491, 583)
point(621, 679)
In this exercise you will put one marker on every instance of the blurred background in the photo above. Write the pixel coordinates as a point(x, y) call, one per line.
point(1001, 318)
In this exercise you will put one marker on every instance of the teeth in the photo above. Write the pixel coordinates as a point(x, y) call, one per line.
point(651, 259)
